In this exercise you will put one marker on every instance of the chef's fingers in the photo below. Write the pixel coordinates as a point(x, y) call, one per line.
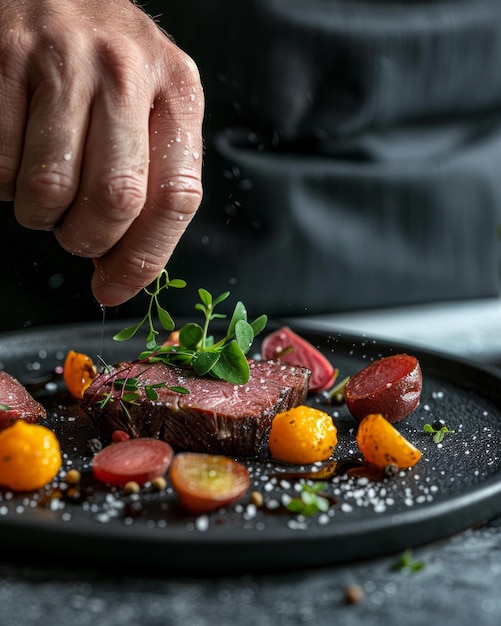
point(56, 127)
point(174, 187)
point(114, 172)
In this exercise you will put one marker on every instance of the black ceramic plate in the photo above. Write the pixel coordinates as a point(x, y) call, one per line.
point(455, 485)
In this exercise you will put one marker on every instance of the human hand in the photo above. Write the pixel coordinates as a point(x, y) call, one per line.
point(100, 134)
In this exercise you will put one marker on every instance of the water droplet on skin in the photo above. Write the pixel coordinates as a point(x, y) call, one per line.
point(67, 156)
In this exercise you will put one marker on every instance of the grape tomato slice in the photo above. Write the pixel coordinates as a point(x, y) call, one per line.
point(204, 482)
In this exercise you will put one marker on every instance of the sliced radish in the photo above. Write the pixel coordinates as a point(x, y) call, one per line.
point(139, 460)
point(286, 345)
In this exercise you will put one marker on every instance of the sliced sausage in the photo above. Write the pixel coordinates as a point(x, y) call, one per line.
point(391, 386)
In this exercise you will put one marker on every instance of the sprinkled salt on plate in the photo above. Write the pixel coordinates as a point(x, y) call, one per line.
point(456, 484)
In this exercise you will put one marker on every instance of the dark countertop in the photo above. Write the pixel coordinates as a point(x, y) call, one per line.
point(458, 584)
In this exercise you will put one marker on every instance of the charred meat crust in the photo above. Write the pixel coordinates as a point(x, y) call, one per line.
point(215, 416)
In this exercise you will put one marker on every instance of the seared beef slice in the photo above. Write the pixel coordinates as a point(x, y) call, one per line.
point(16, 403)
point(215, 416)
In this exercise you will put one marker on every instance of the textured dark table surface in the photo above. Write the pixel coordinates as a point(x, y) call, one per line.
point(459, 583)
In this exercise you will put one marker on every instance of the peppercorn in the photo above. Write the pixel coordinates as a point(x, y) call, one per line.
point(159, 483)
point(131, 488)
point(256, 498)
point(72, 477)
point(354, 594)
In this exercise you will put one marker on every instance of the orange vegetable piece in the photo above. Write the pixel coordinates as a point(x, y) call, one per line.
point(30, 456)
point(382, 444)
point(203, 482)
point(302, 435)
point(78, 373)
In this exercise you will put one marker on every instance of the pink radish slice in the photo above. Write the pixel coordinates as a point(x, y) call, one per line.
point(285, 345)
point(139, 460)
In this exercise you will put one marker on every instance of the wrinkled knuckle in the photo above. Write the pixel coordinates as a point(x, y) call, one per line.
point(184, 83)
point(47, 189)
point(186, 192)
point(184, 69)
point(123, 195)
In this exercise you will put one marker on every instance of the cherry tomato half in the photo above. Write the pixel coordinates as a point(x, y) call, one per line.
point(204, 482)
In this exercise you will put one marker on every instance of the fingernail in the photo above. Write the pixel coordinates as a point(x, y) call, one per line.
point(110, 294)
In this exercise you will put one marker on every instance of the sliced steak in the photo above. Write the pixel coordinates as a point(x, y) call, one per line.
point(16, 403)
point(215, 416)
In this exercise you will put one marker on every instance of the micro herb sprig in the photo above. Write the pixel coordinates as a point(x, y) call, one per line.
point(438, 430)
point(162, 283)
point(336, 393)
point(407, 564)
point(310, 500)
point(4, 407)
point(225, 359)
point(129, 392)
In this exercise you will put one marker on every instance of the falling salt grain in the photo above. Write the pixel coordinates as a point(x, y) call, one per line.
point(202, 523)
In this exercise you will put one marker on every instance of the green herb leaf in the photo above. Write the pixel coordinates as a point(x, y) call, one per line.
point(310, 502)
point(127, 333)
point(206, 298)
point(438, 433)
point(203, 362)
point(406, 563)
point(191, 336)
point(259, 324)
point(232, 365)
point(165, 319)
point(151, 393)
point(244, 335)
point(239, 315)
point(4, 407)
point(182, 390)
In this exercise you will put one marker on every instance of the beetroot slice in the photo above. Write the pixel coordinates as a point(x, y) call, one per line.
point(298, 351)
point(390, 386)
point(138, 460)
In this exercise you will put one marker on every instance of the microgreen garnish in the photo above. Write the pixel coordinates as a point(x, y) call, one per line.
point(336, 393)
point(224, 359)
point(407, 564)
point(439, 431)
point(310, 500)
point(162, 283)
point(4, 407)
point(130, 391)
